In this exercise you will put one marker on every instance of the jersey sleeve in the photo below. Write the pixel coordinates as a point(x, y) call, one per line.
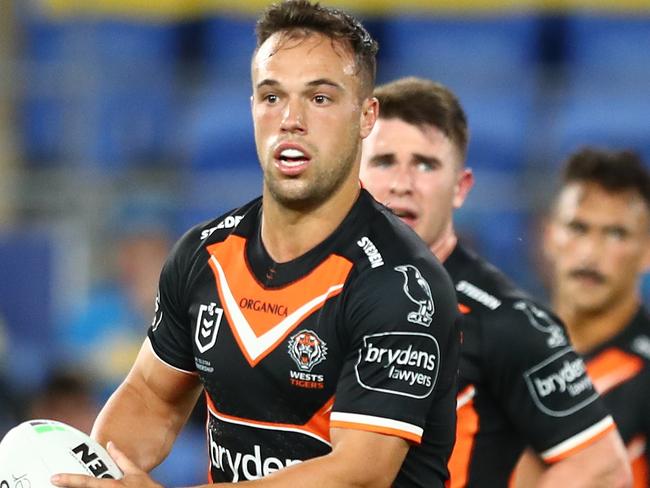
point(403, 350)
point(542, 382)
point(170, 332)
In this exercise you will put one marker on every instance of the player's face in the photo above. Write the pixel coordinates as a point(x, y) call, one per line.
point(309, 117)
point(416, 171)
point(598, 244)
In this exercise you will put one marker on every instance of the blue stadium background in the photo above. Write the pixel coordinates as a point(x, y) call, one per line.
point(116, 110)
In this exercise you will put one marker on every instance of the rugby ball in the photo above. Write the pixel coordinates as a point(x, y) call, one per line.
point(33, 451)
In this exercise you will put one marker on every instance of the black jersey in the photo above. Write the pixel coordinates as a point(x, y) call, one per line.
point(620, 370)
point(521, 383)
point(358, 333)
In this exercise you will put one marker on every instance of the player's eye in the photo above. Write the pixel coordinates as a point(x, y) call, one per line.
point(424, 166)
point(321, 99)
point(577, 227)
point(270, 98)
point(618, 233)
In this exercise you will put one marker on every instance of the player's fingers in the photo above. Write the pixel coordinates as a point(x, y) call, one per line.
point(77, 481)
point(123, 462)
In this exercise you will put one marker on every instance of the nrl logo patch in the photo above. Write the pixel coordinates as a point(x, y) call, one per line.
point(307, 349)
point(418, 291)
point(207, 326)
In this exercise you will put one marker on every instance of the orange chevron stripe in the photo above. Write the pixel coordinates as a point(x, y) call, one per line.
point(317, 426)
point(327, 278)
point(467, 425)
point(613, 367)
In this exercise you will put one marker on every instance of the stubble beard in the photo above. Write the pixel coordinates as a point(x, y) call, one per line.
point(309, 192)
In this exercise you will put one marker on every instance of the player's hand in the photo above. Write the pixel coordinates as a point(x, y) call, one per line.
point(134, 477)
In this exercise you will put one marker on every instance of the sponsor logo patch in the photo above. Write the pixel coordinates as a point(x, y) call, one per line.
point(229, 222)
point(262, 306)
point(559, 385)
point(418, 291)
point(371, 251)
point(307, 349)
point(207, 326)
point(477, 294)
point(250, 465)
point(543, 322)
point(399, 363)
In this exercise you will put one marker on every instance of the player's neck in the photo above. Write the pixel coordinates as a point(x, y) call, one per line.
point(288, 234)
point(589, 329)
point(445, 244)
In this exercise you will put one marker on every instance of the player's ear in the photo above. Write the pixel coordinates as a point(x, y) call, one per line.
point(547, 236)
point(464, 183)
point(645, 263)
point(368, 116)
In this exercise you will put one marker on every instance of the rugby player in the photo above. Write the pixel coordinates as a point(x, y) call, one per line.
point(521, 383)
point(597, 241)
point(320, 327)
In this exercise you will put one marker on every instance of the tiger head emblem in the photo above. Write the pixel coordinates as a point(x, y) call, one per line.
point(307, 349)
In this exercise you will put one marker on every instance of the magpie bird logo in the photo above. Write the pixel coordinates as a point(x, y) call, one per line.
point(543, 322)
point(418, 291)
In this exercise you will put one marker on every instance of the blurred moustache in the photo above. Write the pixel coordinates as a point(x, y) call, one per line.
point(588, 274)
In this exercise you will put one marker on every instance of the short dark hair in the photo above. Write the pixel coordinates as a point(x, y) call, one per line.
point(420, 102)
point(615, 171)
point(303, 16)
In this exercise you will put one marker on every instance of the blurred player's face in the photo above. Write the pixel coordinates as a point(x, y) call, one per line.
point(416, 171)
point(309, 118)
point(597, 242)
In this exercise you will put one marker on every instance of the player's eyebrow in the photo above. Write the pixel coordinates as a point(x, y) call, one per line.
point(325, 81)
point(382, 158)
point(430, 160)
point(317, 82)
point(267, 82)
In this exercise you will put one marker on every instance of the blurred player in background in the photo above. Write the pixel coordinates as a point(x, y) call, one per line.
point(103, 334)
point(320, 328)
point(514, 350)
point(597, 241)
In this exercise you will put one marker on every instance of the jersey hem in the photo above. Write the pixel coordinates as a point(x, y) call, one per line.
point(579, 441)
point(380, 425)
point(180, 370)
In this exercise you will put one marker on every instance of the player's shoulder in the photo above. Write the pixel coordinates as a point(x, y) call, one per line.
point(386, 251)
point(381, 238)
point(480, 285)
point(195, 239)
point(636, 337)
point(484, 292)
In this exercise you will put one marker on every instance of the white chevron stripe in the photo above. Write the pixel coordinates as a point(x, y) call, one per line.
point(256, 346)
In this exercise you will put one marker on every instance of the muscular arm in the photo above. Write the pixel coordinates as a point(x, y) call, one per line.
point(358, 460)
point(147, 411)
point(601, 464)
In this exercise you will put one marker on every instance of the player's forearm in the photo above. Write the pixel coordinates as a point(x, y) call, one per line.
point(143, 426)
point(602, 464)
point(358, 460)
point(323, 472)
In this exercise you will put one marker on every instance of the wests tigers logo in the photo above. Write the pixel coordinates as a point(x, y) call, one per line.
point(307, 349)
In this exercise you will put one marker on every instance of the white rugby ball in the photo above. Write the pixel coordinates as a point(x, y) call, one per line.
point(33, 451)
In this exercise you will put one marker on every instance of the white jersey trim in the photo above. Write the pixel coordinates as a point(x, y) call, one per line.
point(192, 373)
point(357, 418)
point(465, 397)
point(256, 346)
point(578, 439)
